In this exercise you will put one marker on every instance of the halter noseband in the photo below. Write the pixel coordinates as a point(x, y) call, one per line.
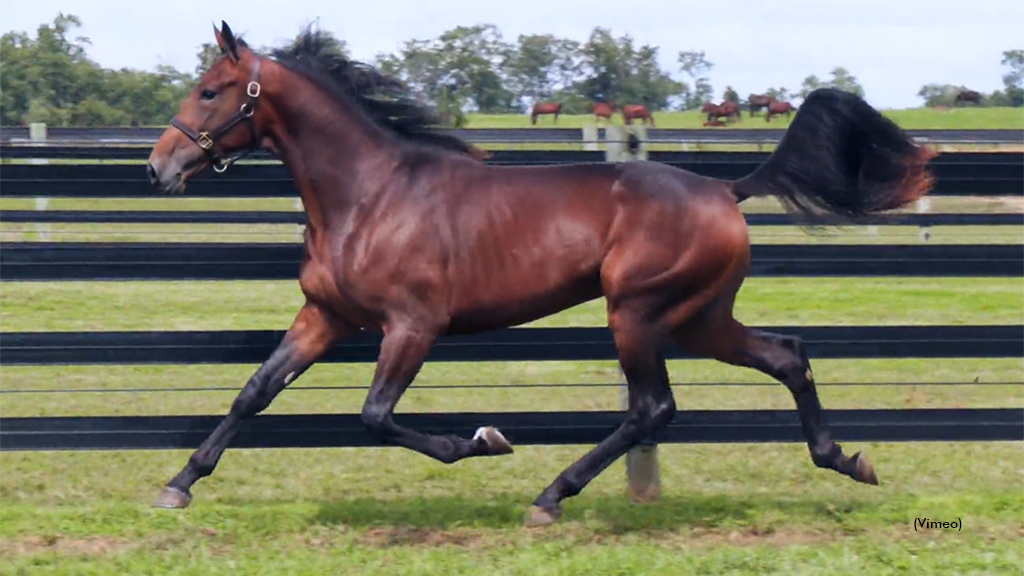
point(206, 140)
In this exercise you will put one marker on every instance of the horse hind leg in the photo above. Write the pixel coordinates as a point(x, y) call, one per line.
point(651, 408)
point(717, 334)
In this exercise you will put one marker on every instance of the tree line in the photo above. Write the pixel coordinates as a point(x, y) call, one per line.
point(49, 77)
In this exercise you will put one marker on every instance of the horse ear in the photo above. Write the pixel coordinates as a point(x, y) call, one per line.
point(226, 40)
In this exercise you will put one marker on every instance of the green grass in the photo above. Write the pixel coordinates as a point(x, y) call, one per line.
point(910, 119)
point(292, 233)
point(259, 305)
point(725, 509)
point(941, 204)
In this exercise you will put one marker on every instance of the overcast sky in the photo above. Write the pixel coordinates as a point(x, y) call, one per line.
point(892, 46)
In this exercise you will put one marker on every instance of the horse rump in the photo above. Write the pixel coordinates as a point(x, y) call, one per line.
point(841, 157)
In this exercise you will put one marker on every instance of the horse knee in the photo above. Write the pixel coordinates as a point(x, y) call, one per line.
point(376, 420)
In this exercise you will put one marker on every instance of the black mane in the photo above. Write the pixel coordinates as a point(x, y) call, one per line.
point(384, 100)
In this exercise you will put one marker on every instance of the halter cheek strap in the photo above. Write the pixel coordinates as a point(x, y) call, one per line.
point(206, 140)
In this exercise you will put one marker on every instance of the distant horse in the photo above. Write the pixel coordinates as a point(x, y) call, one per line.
point(604, 110)
point(727, 110)
point(966, 95)
point(631, 112)
point(545, 108)
point(411, 235)
point(758, 101)
point(777, 108)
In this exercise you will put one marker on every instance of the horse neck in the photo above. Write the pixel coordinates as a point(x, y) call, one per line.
point(326, 147)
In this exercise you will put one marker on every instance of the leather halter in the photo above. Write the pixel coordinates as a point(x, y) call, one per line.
point(206, 140)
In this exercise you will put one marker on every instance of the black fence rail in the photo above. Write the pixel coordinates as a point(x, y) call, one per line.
point(149, 134)
point(956, 174)
point(521, 428)
point(283, 217)
point(50, 261)
point(512, 344)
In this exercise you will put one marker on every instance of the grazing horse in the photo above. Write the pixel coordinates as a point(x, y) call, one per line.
point(631, 112)
point(777, 108)
point(412, 235)
point(604, 110)
point(966, 95)
point(727, 109)
point(758, 101)
point(545, 108)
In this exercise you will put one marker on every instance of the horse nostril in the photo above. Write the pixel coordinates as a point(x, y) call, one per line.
point(152, 174)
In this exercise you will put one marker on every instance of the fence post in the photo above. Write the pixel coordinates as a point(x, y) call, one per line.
point(590, 137)
point(642, 469)
point(924, 205)
point(37, 137)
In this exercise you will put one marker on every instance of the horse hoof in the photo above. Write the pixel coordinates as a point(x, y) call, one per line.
point(172, 498)
point(537, 516)
point(497, 445)
point(863, 470)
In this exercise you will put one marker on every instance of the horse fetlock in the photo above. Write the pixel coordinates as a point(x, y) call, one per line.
point(829, 456)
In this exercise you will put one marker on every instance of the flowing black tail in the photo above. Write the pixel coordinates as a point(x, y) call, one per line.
point(841, 156)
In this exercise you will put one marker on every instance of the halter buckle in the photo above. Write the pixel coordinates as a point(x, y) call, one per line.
point(204, 141)
point(253, 90)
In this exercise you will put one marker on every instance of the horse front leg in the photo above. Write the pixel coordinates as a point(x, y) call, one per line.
point(401, 357)
point(310, 336)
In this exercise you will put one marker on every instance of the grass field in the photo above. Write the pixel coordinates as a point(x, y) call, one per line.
point(909, 119)
point(725, 509)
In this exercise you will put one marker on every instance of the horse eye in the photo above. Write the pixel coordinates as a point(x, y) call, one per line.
point(207, 94)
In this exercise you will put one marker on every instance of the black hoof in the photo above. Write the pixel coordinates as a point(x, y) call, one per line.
point(863, 471)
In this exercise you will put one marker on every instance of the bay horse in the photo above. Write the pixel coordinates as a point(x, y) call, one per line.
point(727, 109)
point(604, 110)
point(758, 101)
point(541, 108)
point(412, 235)
point(631, 112)
point(966, 95)
point(777, 108)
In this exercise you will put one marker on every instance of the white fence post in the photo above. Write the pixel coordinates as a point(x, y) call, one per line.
point(37, 137)
point(590, 137)
point(643, 473)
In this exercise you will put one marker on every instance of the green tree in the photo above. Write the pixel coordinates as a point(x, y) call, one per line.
point(615, 69)
point(209, 52)
point(841, 79)
point(938, 94)
point(1013, 81)
point(541, 64)
point(696, 66)
point(781, 93)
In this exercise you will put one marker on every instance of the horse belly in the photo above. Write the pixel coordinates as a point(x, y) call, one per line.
point(511, 291)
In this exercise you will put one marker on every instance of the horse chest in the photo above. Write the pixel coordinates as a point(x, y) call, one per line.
point(336, 288)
